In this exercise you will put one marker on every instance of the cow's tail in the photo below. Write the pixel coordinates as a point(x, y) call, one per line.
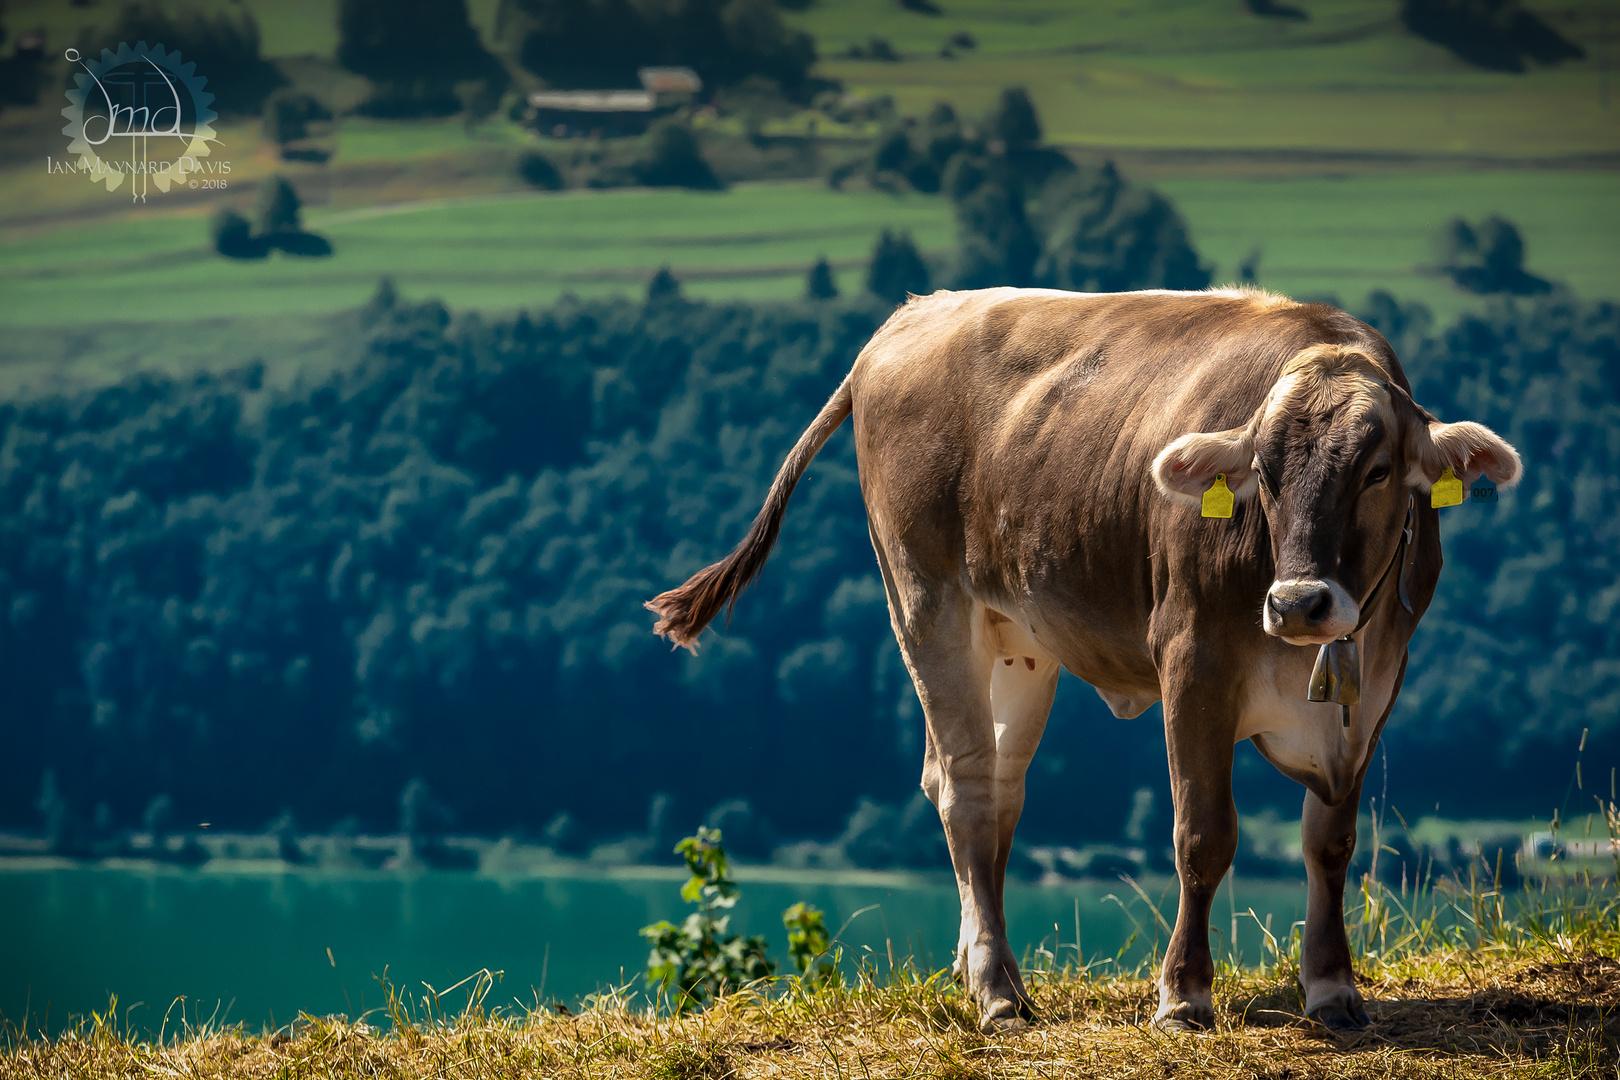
point(683, 612)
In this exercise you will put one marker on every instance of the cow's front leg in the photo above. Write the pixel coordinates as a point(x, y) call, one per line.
point(1199, 724)
point(1329, 837)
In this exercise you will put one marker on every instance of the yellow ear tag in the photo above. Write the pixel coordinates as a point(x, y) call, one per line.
point(1218, 499)
point(1447, 491)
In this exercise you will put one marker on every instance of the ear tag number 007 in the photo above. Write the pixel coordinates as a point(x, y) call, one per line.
point(1447, 491)
point(1218, 499)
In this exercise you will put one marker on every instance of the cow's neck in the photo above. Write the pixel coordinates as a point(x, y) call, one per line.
point(1337, 674)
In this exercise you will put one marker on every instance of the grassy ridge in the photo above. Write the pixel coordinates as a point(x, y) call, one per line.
point(1318, 235)
point(1525, 987)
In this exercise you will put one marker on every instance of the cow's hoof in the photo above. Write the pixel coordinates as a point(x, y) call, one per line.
point(1335, 1016)
point(1004, 1017)
point(1185, 1016)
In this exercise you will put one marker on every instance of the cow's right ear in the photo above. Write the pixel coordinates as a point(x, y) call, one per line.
point(1186, 468)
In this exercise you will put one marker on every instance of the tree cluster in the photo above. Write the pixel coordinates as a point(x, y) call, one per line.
point(287, 118)
point(1499, 35)
point(416, 52)
point(603, 43)
point(1028, 215)
point(668, 155)
point(430, 567)
point(279, 226)
point(224, 46)
point(1488, 258)
point(23, 72)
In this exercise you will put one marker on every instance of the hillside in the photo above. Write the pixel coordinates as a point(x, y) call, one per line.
point(1335, 146)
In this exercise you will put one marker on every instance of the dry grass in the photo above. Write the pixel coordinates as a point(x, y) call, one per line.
point(1459, 984)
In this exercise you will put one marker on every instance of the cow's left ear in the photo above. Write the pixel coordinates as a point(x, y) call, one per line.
point(1468, 449)
point(1186, 468)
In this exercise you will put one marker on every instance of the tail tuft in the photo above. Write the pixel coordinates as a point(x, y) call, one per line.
point(683, 612)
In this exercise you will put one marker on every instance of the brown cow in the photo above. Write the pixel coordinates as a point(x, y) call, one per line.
point(1032, 464)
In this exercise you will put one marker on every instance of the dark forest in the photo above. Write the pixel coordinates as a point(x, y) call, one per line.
point(256, 599)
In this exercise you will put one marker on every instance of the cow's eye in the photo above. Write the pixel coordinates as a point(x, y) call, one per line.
point(1378, 474)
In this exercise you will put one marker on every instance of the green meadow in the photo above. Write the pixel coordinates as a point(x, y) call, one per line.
point(495, 253)
point(1317, 236)
point(1344, 236)
point(1191, 74)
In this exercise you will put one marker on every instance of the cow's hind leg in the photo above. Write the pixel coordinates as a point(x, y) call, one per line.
point(1021, 692)
point(1329, 837)
point(949, 655)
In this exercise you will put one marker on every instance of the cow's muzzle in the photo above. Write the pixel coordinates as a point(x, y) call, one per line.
point(1309, 611)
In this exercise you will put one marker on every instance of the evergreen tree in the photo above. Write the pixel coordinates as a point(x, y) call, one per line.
point(820, 284)
point(1105, 235)
point(942, 135)
point(995, 242)
point(414, 52)
point(278, 207)
point(674, 159)
point(663, 287)
point(896, 269)
point(1013, 121)
point(1248, 271)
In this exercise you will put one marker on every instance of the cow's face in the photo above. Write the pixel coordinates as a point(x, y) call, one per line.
point(1336, 454)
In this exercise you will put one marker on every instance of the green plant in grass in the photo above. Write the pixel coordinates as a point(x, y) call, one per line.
point(809, 944)
point(700, 960)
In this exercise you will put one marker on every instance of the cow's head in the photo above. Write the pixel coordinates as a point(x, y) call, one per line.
point(1336, 451)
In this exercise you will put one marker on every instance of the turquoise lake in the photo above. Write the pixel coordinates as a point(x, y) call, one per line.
point(260, 947)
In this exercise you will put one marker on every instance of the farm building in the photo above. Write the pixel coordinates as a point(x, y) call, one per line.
point(564, 113)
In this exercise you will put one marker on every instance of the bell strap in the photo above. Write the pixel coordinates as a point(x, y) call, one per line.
point(1337, 674)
